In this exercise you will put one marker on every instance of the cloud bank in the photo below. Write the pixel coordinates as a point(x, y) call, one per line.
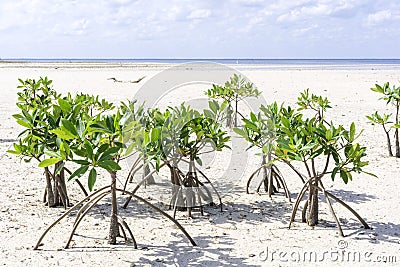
point(199, 29)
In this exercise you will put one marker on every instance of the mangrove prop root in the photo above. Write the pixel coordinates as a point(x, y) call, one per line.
point(256, 172)
point(128, 199)
point(212, 186)
point(66, 214)
point(50, 194)
point(298, 200)
point(327, 196)
point(79, 219)
point(122, 221)
point(208, 181)
point(45, 195)
point(301, 176)
point(83, 208)
point(131, 174)
point(333, 213)
point(304, 212)
point(162, 213)
point(94, 201)
point(283, 182)
point(272, 174)
point(176, 200)
point(366, 226)
point(123, 232)
point(82, 187)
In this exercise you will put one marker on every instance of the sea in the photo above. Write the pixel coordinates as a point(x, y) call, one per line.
point(342, 63)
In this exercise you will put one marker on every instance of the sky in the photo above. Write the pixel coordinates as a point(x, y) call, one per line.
point(199, 29)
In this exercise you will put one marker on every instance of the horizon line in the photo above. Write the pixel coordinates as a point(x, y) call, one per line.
point(198, 58)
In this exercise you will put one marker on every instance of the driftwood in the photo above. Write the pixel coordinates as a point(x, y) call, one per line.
point(129, 81)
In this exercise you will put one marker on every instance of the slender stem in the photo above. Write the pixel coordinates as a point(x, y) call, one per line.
point(50, 193)
point(389, 144)
point(327, 163)
point(175, 196)
point(302, 177)
point(236, 110)
point(213, 187)
point(211, 184)
point(121, 228)
point(308, 168)
point(113, 233)
point(270, 178)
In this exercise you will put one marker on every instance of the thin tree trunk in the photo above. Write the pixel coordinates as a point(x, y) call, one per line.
point(55, 191)
point(64, 186)
point(114, 230)
point(312, 218)
point(49, 188)
point(270, 177)
point(229, 116)
point(177, 196)
point(264, 174)
point(236, 110)
point(389, 144)
point(146, 171)
point(190, 184)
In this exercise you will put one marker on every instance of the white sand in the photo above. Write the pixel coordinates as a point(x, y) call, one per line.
point(250, 228)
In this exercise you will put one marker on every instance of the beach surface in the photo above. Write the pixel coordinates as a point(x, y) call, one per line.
point(252, 229)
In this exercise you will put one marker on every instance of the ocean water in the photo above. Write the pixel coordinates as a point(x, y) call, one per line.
point(248, 62)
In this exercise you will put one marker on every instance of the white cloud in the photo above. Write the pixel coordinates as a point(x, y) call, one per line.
point(309, 12)
point(379, 17)
point(199, 14)
point(123, 2)
point(148, 28)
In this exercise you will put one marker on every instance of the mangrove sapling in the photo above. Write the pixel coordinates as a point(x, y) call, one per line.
point(163, 151)
point(96, 144)
point(391, 96)
point(233, 92)
point(41, 111)
point(315, 143)
point(199, 136)
point(179, 135)
point(135, 119)
point(259, 131)
point(383, 120)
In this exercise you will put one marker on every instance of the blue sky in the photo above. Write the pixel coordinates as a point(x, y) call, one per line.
point(199, 29)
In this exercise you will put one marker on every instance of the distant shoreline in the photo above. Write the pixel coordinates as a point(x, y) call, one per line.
point(241, 64)
point(246, 61)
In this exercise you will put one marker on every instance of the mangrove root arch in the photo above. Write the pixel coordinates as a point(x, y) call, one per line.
point(179, 176)
point(270, 174)
point(92, 200)
point(317, 185)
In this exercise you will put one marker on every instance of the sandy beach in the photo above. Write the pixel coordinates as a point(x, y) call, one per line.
point(253, 229)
